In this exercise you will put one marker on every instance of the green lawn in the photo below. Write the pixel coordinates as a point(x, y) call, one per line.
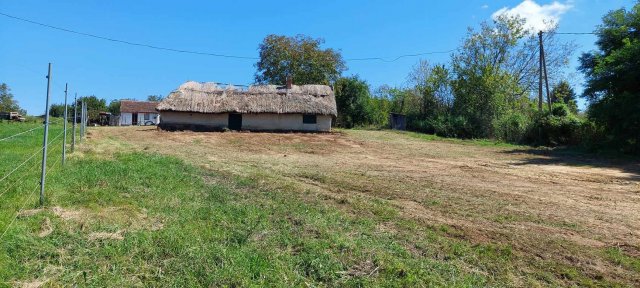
point(20, 164)
point(144, 219)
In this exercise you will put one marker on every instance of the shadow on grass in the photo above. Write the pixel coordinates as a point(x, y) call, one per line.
point(572, 157)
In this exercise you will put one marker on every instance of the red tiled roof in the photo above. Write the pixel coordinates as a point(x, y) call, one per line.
point(128, 106)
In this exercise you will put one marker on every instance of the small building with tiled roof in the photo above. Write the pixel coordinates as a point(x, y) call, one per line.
point(138, 113)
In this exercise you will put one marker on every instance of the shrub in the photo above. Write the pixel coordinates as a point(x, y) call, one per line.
point(553, 130)
point(512, 127)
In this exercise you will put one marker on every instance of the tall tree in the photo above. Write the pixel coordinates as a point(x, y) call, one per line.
point(564, 93)
point(613, 78)
point(432, 86)
point(353, 100)
point(485, 86)
point(56, 110)
point(301, 57)
point(7, 102)
point(114, 107)
point(95, 105)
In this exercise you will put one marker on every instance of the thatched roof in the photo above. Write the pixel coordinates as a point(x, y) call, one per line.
point(211, 98)
point(130, 106)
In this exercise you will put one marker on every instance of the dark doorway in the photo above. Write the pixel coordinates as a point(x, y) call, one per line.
point(134, 119)
point(235, 121)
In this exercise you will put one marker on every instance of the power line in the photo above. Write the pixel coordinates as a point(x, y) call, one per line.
point(575, 33)
point(200, 52)
point(127, 42)
point(401, 56)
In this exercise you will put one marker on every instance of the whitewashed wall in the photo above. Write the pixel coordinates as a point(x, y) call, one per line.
point(255, 122)
point(284, 122)
point(127, 118)
point(217, 121)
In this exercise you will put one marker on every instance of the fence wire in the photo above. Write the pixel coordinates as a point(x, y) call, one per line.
point(24, 204)
point(32, 193)
point(30, 157)
point(18, 134)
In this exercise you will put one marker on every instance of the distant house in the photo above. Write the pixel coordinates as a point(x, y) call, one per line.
point(206, 106)
point(138, 113)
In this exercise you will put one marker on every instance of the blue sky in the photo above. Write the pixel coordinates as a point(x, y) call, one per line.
point(357, 28)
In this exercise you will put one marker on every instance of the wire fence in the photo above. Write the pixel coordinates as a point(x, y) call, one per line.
point(16, 187)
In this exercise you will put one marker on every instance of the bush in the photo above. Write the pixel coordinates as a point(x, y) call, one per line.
point(560, 110)
point(552, 130)
point(512, 127)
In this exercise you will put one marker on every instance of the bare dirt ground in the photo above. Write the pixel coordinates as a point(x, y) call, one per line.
point(546, 205)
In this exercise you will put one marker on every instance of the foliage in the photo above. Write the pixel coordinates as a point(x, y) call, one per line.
point(95, 105)
point(155, 98)
point(564, 93)
point(353, 101)
point(7, 102)
point(485, 86)
point(512, 127)
point(612, 74)
point(56, 110)
point(558, 127)
point(301, 57)
point(114, 107)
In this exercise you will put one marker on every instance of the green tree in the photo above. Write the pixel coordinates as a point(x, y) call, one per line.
point(95, 105)
point(56, 110)
point(7, 102)
point(432, 85)
point(485, 86)
point(613, 78)
point(114, 107)
point(353, 101)
point(301, 57)
point(155, 98)
point(564, 93)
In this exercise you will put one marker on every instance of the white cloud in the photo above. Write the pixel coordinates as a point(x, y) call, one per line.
point(538, 17)
point(485, 6)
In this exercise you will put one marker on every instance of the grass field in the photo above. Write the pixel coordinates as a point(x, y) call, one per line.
point(139, 207)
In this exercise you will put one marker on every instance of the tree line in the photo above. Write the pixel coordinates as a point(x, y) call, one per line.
point(488, 87)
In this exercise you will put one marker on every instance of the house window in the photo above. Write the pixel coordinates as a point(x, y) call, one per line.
point(147, 116)
point(309, 119)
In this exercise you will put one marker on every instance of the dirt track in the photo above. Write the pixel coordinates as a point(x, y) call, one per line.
point(548, 205)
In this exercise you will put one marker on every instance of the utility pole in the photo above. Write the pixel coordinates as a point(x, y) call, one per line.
point(44, 142)
point(546, 80)
point(540, 78)
point(64, 137)
point(75, 118)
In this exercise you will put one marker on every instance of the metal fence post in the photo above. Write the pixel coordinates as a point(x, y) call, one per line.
point(75, 118)
point(84, 120)
point(64, 137)
point(44, 142)
point(81, 120)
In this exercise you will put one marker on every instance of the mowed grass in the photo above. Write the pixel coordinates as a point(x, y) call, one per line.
point(151, 220)
point(145, 219)
point(21, 164)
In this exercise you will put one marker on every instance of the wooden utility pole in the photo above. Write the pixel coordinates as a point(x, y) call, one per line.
point(540, 78)
point(546, 80)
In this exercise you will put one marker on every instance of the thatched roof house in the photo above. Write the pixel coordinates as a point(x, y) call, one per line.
point(207, 106)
